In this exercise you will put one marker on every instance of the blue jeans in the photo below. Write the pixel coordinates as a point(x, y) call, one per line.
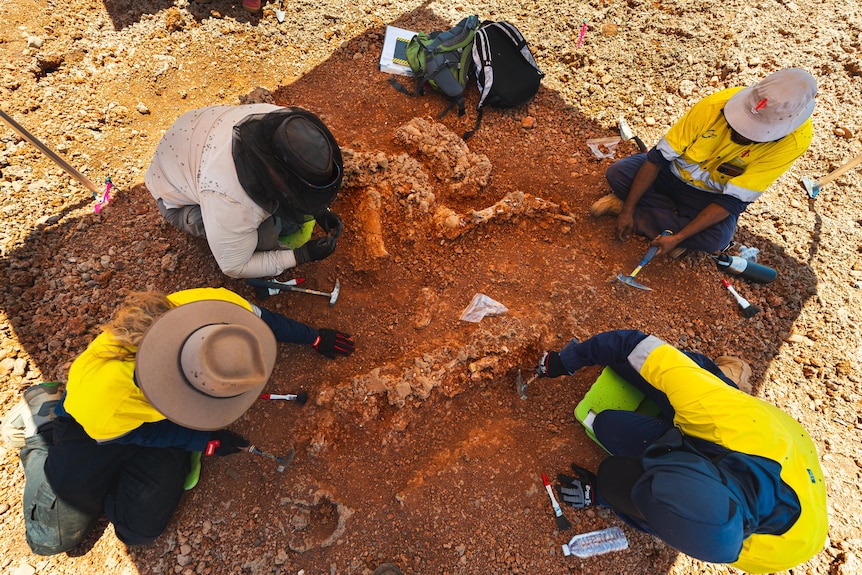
point(628, 433)
point(73, 480)
point(669, 204)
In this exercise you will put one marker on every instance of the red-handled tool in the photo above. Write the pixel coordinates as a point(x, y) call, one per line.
point(299, 398)
point(748, 310)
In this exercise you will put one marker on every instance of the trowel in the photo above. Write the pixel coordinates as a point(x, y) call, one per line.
point(521, 387)
point(279, 12)
point(626, 133)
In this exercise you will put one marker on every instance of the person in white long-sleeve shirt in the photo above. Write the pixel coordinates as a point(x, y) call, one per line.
point(253, 180)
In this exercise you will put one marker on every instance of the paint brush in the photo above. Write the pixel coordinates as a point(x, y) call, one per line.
point(299, 398)
point(562, 522)
point(748, 310)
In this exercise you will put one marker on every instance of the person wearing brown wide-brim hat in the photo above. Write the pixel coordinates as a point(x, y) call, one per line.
point(253, 180)
point(163, 379)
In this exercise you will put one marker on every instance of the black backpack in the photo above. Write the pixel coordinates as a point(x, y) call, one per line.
point(442, 60)
point(506, 71)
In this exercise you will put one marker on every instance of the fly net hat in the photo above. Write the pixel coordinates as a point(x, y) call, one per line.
point(203, 364)
point(774, 107)
point(288, 162)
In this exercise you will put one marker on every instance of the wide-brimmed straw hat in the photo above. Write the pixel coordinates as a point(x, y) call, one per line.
point(774, 107)
point(204, 363)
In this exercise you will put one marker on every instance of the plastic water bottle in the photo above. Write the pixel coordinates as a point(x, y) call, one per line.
point(596, 543)
point(748, 253)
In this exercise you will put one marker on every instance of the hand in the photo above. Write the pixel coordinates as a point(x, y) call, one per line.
point(550, 365)
point(330, 342)
point(625, 225)
point(665, 242)
point(314, 250)
point(330, 222)
point(225, 442)
point(578, 491)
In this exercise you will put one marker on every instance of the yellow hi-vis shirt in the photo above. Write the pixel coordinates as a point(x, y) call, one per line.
point(708, 408)
point(101, 393)
point(699, 143)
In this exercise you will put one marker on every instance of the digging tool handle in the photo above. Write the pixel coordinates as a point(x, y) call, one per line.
point(641, 146)
point(284, 287)
point(839, 171)
point(51, 154)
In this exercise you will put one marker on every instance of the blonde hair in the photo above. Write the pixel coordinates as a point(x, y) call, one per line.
point(132, 320)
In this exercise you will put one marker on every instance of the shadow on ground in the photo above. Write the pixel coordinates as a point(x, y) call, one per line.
point(441, 483)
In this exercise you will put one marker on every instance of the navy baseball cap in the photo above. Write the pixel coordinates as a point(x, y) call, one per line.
point(685, 501)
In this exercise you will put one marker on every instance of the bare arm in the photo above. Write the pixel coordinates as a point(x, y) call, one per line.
point(644, 178)
point(708, 217)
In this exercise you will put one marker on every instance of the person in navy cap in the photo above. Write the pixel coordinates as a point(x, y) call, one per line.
point(717, 474)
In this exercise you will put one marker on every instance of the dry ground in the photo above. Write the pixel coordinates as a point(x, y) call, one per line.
point(416, 449)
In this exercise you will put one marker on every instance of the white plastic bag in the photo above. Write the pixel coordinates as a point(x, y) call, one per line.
point(610, 144)
point(480, 306)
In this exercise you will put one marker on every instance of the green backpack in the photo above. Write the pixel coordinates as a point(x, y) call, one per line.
point(443, 60)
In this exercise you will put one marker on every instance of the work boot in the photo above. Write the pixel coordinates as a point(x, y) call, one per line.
point(676, 253)
point(609, 205)
point(252, 6)
point(736, 370)
point(388, 569)
point(30, 415)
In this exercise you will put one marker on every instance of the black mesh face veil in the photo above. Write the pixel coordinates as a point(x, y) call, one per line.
point(288, 162)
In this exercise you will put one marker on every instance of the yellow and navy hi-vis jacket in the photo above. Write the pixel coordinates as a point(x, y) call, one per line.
point(101, 394)
point(701, 153)
point(708, 409)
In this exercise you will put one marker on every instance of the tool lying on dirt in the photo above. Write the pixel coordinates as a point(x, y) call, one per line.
point(84, 180)
point(562, 522)
point(748, 310)
point(629, 280)
point(299, 398)
point(521, 387)
point(283, 462)
point(279, 12)
point(266, 288)
point(626, 133)
point(813, 188)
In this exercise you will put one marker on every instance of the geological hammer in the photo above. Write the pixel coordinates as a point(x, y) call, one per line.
point(629, 280)
point(266, 288)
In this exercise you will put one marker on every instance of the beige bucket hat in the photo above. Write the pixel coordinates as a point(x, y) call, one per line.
point(204, 363)
point(774, 107)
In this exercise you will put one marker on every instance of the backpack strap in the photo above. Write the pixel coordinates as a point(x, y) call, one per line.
point(482, 61)
point(476, 127)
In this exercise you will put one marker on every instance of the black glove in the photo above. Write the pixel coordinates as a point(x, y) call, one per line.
point(551, 365)
point(330, 223)
point(314, 250)
point(578, 491)
point(225, 442)
point(330, 342)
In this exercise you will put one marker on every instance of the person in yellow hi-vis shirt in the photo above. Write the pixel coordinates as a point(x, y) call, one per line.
point(716, 473)
point(717, 159)
point(165, 378)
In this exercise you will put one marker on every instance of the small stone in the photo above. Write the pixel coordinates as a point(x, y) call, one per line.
point(34, 42)
point(528, 123)
point(649, 121)
point(142, 108)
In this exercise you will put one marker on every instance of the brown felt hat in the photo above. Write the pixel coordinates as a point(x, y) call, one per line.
point(204, 363)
